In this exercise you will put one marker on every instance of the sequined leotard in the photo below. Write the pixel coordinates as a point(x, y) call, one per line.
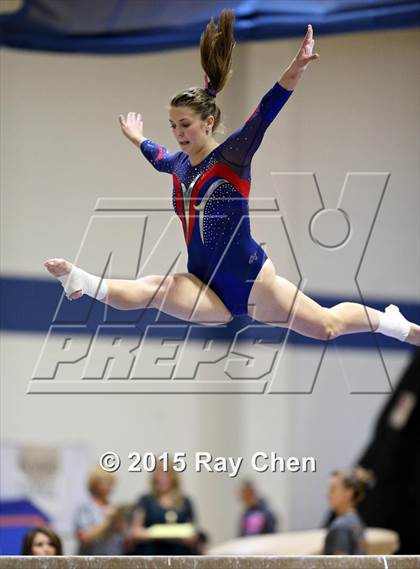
point(211, 200)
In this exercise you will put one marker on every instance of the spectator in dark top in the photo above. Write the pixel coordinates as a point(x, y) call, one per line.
point(257, 518)
point(165, 504)
point(346, 532)
point(41, 541)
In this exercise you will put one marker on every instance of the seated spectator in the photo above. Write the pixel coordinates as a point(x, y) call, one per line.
point(256, 518)
point(97, 521)
point(41, 541)
point(165, 504)
point(346, 532)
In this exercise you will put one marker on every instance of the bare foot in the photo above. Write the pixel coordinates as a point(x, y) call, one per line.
point(414, 334)
point(58, 268)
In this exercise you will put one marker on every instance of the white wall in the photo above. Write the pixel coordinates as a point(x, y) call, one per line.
point(357, 109)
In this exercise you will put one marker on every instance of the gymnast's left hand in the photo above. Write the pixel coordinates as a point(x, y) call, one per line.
point(306, 51)
point(304, 56)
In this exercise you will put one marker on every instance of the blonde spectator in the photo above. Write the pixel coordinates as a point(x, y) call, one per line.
point(96, 525)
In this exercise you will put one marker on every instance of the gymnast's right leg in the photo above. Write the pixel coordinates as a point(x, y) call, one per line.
point(181, 295)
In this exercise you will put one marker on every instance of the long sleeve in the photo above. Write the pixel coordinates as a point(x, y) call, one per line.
point(158, 156)
point(239, 147)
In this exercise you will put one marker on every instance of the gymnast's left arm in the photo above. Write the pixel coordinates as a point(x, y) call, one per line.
point(240, 146)
point(304, 56)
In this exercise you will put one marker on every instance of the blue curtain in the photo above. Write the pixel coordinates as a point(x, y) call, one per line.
point(134, 26)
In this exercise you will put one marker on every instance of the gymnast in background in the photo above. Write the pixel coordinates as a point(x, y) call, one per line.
point(257, 518)
point(346, 532)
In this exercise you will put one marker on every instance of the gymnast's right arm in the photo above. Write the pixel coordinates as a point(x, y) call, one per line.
point(158, 156)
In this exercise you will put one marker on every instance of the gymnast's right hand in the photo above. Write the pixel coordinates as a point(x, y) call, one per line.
point(132, 127)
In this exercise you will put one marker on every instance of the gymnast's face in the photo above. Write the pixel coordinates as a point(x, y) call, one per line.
point(42, 545)
point(191, 132)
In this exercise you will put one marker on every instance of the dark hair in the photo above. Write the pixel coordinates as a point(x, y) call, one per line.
point(216, 45)
point(358, 479)
point(248, 484)
point(30, 536)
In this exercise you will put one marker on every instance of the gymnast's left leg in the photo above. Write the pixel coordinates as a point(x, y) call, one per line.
point(276, 301)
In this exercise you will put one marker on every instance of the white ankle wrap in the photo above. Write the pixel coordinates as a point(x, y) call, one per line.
point(392, 323)
point(78, 279)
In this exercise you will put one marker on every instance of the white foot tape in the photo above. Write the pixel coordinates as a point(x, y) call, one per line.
point(392, 323)
point(78, 279)
point(71, 282)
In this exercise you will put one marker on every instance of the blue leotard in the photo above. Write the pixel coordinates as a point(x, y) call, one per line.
point(211, 200)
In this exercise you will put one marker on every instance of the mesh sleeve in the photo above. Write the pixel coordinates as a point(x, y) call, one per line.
point(239, 147)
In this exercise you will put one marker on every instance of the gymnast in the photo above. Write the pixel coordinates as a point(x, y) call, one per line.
point(229, 273)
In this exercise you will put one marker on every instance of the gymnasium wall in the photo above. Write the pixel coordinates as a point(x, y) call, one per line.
point(356, 110)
